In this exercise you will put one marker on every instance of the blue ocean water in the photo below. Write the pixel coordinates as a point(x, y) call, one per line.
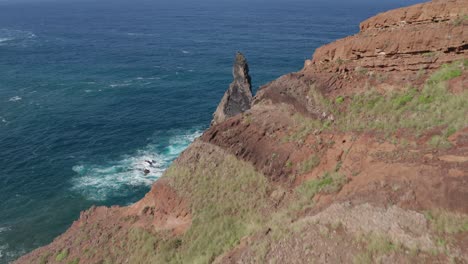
point(89, 90)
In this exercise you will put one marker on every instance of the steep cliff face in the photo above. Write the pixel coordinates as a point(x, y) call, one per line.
point(362, 156)
point(238, 97)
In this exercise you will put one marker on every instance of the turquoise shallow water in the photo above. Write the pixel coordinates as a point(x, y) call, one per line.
point(90, 90)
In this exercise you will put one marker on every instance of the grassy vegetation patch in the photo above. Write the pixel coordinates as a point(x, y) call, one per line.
point(309, 164)
point(44, 258)
point(376, 245)
point(443, 221)
point(305, 126)
point(226, 200)
point(62, 255)
point(328, 183)
point(339, 99)
point(438, 141)
point(418, 111)
point(74, 261)
point(413, 109)
point(446, 72)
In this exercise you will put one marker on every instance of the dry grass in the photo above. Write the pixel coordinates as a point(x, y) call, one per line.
point(443, 221)
point(227, 200)
point(308, 164)
point(376, 245)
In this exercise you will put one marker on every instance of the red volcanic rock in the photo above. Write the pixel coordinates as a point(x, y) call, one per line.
point(432, 12)
point(403, 39)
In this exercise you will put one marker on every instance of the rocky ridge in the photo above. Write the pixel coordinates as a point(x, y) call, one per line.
point(362, 156)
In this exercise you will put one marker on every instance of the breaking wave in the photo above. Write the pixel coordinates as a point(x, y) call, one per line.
point(15, 99)
point(117, 178)
point(13, 35)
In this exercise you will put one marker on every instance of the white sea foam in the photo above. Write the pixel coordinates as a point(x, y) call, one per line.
point(185, 51)
point(5, 39)
point(15, 99)
point(7, 35)
point(115, 178)
point(133, 34)
point(119, 85)
point(3, 247)
point(147, 78)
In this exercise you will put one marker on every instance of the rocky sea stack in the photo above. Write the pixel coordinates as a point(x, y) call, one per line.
point(238, 97)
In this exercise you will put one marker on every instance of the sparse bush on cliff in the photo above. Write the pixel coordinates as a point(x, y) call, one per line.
point(328, 183)
point(305, 126)
point(62, 255)
point(438, 141)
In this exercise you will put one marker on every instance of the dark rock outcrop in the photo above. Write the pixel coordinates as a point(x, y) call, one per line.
point(238, 97)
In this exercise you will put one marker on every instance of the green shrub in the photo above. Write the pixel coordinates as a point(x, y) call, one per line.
point(328, 183)
point(339, 99)
point(62, 255)
point(403, 99)
point(439, 142)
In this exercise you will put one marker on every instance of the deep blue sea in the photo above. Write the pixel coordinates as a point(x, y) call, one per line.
point(90, 90)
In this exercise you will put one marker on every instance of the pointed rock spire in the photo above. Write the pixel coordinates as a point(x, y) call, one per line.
point(238, 97)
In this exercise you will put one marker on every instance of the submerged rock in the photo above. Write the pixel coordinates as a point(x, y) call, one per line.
point(238, 97)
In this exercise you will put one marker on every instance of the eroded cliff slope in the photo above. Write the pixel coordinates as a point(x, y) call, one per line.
point(362, 156)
